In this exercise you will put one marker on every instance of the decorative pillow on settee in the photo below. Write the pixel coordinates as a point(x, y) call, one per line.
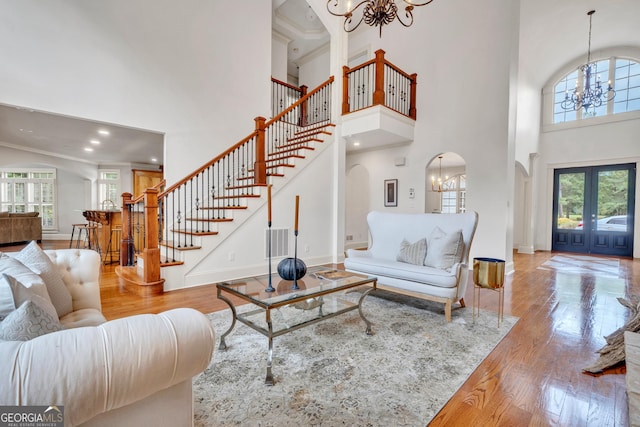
point(445, 249)
point(412, 253)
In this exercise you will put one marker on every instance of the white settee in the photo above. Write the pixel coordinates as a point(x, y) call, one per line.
point(441, 241)
point(132, 371)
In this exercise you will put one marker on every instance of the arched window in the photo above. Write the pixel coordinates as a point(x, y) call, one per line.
point(623, 75)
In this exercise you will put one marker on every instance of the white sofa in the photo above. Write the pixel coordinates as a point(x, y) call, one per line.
point(447, 238)
point(132, 371)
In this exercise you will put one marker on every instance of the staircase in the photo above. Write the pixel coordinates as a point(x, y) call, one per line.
point(185, 222)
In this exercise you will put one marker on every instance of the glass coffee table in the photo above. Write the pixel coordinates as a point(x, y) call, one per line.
point(320, 296)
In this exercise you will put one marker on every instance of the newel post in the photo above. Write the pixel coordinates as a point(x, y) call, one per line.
point(412, 96)
point(303, 106)
point(260, 166)
point(127, 249)
point(345, 89)
point(151, 250)
point(378, 93)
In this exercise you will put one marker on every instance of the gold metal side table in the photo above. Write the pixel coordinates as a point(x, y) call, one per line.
point(488, 273)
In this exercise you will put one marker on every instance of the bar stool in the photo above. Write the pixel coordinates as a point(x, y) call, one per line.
point(114, 245)
point(79, 238)
point(92, 235)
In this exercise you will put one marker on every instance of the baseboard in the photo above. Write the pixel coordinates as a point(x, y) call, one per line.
point(525, 249)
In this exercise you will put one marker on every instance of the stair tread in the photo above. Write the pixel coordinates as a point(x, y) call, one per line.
point(223, 207)
point(291, 149)
point(210, 219)
point(194, 233)
point(238, 196)
point(171, 244)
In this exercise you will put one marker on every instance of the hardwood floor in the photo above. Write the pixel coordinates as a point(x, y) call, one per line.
point(534, 376)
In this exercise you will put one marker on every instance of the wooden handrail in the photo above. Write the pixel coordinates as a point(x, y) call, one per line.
point(206, 165)
point(363, 65)
point(299, 101)
point(158, 186)
point(153, 199)
point(385, 61)
point(290, 86)
point(246, 139)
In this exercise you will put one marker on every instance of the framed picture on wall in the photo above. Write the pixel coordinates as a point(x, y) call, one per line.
point(391, 192)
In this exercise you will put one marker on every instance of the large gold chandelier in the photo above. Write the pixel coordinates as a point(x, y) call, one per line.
point(375, 13)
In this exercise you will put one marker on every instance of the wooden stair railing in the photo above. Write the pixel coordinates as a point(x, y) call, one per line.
point(378, 82)
point(282, 96)
point(211, 193)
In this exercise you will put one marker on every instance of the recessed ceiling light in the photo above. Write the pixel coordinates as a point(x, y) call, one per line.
point(356, 144)
point(103, 132)
point(89, 149)
point(95, 142)
point(153, 159)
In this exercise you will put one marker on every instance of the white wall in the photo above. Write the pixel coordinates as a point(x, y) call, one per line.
point(279, 45)
point(314, 68)
point(457, 111)
point(247, 244)
point(189, 69)
point(357, 196)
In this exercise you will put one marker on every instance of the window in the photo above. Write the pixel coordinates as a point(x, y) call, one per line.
point(30, 190)
point(453, 198)
point(109, 187)
point(624, 75)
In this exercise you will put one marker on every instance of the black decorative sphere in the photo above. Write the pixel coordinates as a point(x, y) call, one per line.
point(290, 266)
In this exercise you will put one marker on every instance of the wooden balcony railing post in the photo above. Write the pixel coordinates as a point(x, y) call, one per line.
point(378, 93)
point(260, 166)
point(345, 89)
point(151, 249)
point(412, 99)
point(126, 243)
point(303, 106)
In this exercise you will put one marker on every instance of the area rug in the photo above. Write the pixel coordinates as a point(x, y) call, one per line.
point(333, 374)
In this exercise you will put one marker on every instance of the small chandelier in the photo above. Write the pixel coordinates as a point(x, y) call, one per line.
point(439, 185)
point(375, 13)
point(593, 93)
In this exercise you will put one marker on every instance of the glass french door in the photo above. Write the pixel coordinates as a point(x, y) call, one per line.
point(593, 209)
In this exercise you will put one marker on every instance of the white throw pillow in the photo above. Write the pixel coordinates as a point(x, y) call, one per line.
point(27, 322)
point(24, 275)
point(37, 261)
point(445, 249)
point(412, 253)
point(22, 294)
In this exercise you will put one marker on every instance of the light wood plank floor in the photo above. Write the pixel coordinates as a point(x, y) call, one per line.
point(533, 377)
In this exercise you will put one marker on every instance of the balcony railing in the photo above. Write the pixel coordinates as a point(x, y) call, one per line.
point(378, 82)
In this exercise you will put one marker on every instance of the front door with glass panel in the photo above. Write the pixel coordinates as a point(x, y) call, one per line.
point(593, 209)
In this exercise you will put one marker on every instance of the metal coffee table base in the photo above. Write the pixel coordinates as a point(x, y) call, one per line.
point(271, 334)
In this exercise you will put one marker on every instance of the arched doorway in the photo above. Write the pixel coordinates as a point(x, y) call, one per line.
point(356, 206)
point(445, 184)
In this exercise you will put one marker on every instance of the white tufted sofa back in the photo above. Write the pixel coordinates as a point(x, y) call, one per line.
point(80, 270)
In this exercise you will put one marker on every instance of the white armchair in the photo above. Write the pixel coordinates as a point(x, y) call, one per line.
point(132, 371)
